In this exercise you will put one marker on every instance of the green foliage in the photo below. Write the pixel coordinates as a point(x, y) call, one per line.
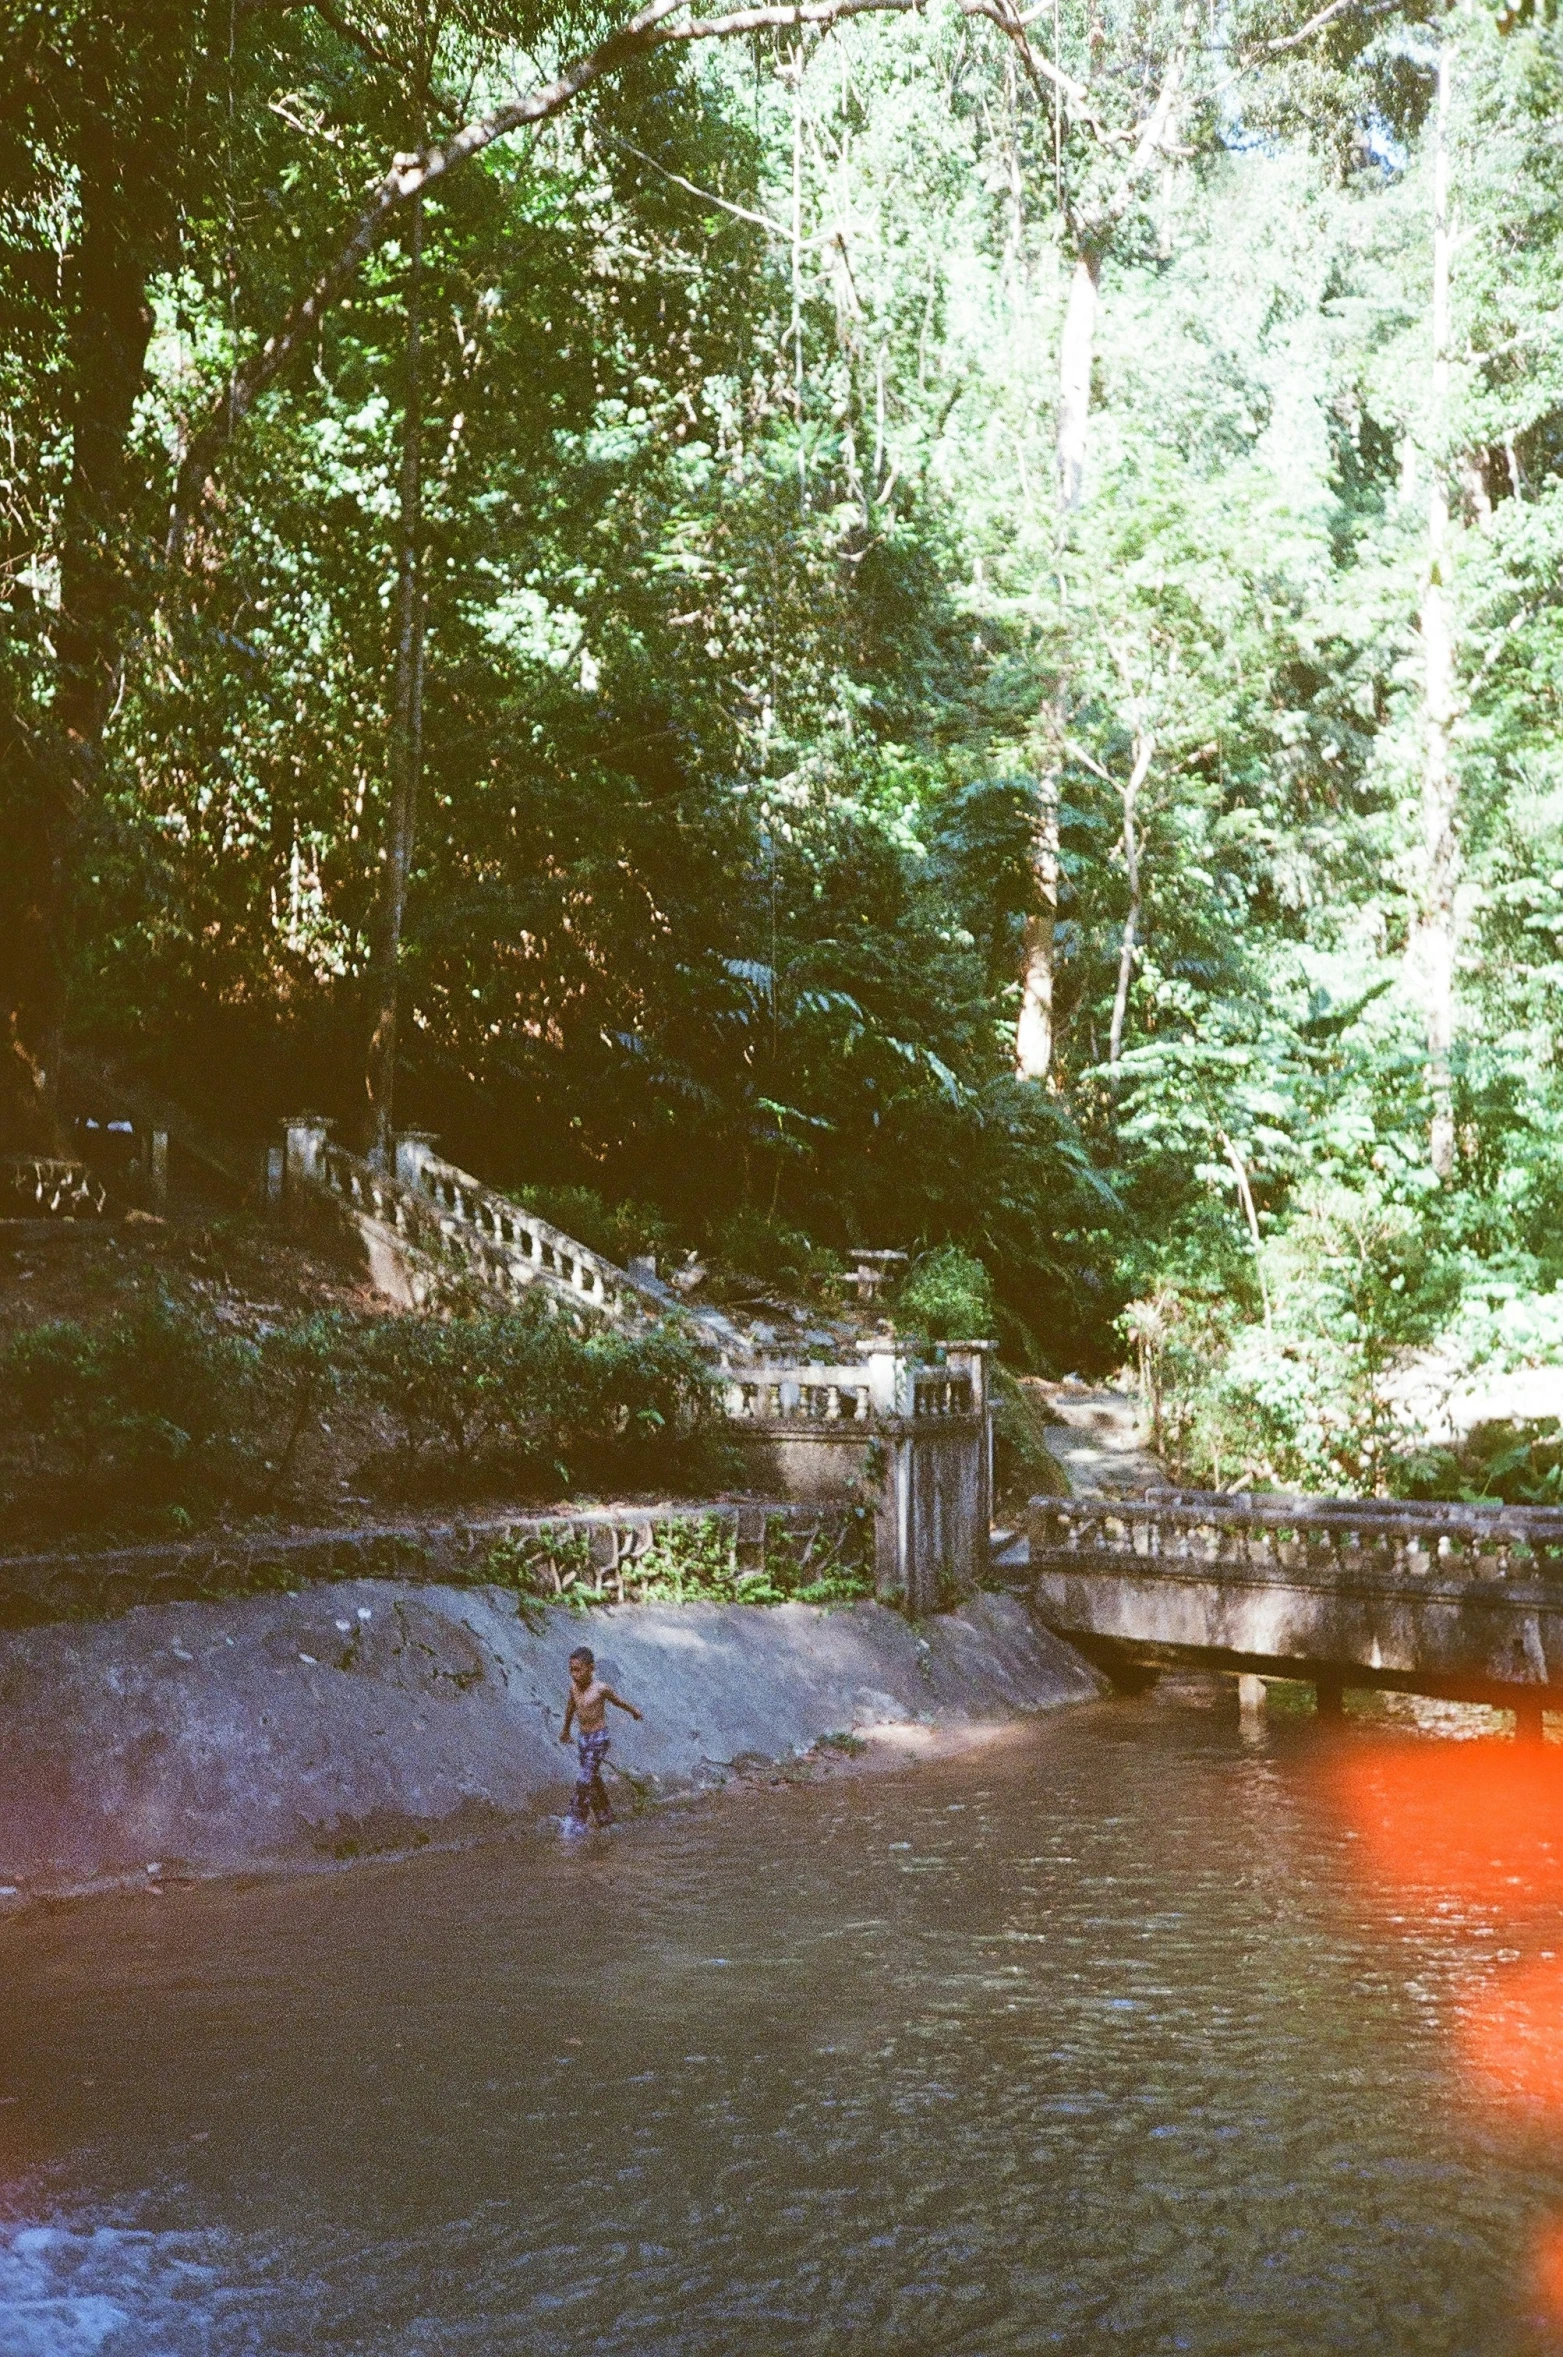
point(759, 659)
point(1521, 1463)
point(150, 1409)
point(695, 1558)
point(1023, 1464)
point(160, 1412)
point(947, 1295)
point(527, 1391)
point(750, 1246)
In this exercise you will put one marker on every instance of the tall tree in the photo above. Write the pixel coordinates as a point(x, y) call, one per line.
point(1433, 934)
point(129, 112)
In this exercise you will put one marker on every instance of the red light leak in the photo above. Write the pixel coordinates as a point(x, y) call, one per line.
point(1481, 1824)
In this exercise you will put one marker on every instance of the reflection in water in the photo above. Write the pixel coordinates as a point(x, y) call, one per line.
point(1138, 2034)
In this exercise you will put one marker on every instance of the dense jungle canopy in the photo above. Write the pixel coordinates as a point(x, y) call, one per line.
point(845, 623)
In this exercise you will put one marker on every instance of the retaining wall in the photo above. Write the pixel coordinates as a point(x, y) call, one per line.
point(370, 1716)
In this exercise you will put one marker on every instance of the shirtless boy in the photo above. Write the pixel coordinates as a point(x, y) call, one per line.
point(588, 1707)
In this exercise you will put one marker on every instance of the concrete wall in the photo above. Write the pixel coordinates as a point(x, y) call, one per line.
point(369, 1716)
point(814, 1464)
point(1466, 1637)
point(928, 1478)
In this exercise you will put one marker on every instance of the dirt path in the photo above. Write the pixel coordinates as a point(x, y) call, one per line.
point(1095, 1436)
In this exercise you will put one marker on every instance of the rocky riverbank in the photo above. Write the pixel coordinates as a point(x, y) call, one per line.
point(367, 1717)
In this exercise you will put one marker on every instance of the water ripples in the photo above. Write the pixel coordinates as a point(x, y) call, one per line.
point(1106, 2041)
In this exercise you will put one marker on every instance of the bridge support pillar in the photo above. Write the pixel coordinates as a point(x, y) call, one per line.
point(1329, 1694)
point(1528, 1726)
point(1250, 1695)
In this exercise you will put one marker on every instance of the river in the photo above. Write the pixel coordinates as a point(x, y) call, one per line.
point(1118, 2036)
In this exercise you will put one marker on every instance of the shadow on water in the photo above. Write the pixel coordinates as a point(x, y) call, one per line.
point(1149, 2032)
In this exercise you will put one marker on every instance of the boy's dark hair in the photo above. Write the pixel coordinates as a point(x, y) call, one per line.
point(585, 1653)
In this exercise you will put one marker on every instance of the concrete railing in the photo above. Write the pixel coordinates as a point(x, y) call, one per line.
point(1323, 1537)
point(1461, 1601)
point(529, 1247)
point(797, 1395)
point(51, 1188)
point(432, 1217)
point(913, 1436)
point(602, 1552)
point(889, 1381)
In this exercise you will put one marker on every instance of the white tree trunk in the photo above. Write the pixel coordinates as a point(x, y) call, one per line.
point(1074, 382)
point(406, 727)
point(1034, 1029)
point(1144, 753)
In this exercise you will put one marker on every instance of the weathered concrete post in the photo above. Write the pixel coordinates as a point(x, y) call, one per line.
point(305, 1139)
point(414, 1148)
point(892, 1396)
point(158, 1171)
point(936, 1482)
point(1329, 1694)
point(1250, 1695)
point(971, 1359)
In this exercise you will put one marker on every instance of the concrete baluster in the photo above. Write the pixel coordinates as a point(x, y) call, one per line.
point(414, 1151)
point(970, 1359)
point(305, 1139)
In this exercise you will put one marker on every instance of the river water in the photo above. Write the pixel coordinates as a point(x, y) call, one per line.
point(1123, 2035)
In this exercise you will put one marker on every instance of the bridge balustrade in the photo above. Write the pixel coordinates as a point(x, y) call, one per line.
point(1291, 1536)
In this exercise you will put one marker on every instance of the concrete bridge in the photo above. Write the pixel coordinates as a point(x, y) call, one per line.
point(1463, 1602)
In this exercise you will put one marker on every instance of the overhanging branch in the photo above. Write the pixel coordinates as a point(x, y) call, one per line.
point(657, 26)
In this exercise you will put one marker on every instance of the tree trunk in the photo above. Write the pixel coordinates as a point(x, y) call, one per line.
point(1076, 351)
point(1074, 381)
point(1034, 1024)
point(1144, 752)
point(57, 769)
point(1435, 929)
point(406, 728)
point(1245, 1197)
point(1034, 1028)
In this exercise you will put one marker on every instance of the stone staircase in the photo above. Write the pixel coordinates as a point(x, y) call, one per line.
point(429, 1220)
point(873, 1421)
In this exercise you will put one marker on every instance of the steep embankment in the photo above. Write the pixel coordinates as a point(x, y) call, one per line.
point(368, 1716)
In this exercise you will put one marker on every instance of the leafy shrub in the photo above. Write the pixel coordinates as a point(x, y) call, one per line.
point(304, 1364)
point(162, 1412)
point(527, 1392)
point(1520, 1463)
point(1311, 1396)
point(752, 1247)
point(947, 1295)
point(694, 1558)
point(1023, 1464)
point(440, 1381)
point(153, 1405)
